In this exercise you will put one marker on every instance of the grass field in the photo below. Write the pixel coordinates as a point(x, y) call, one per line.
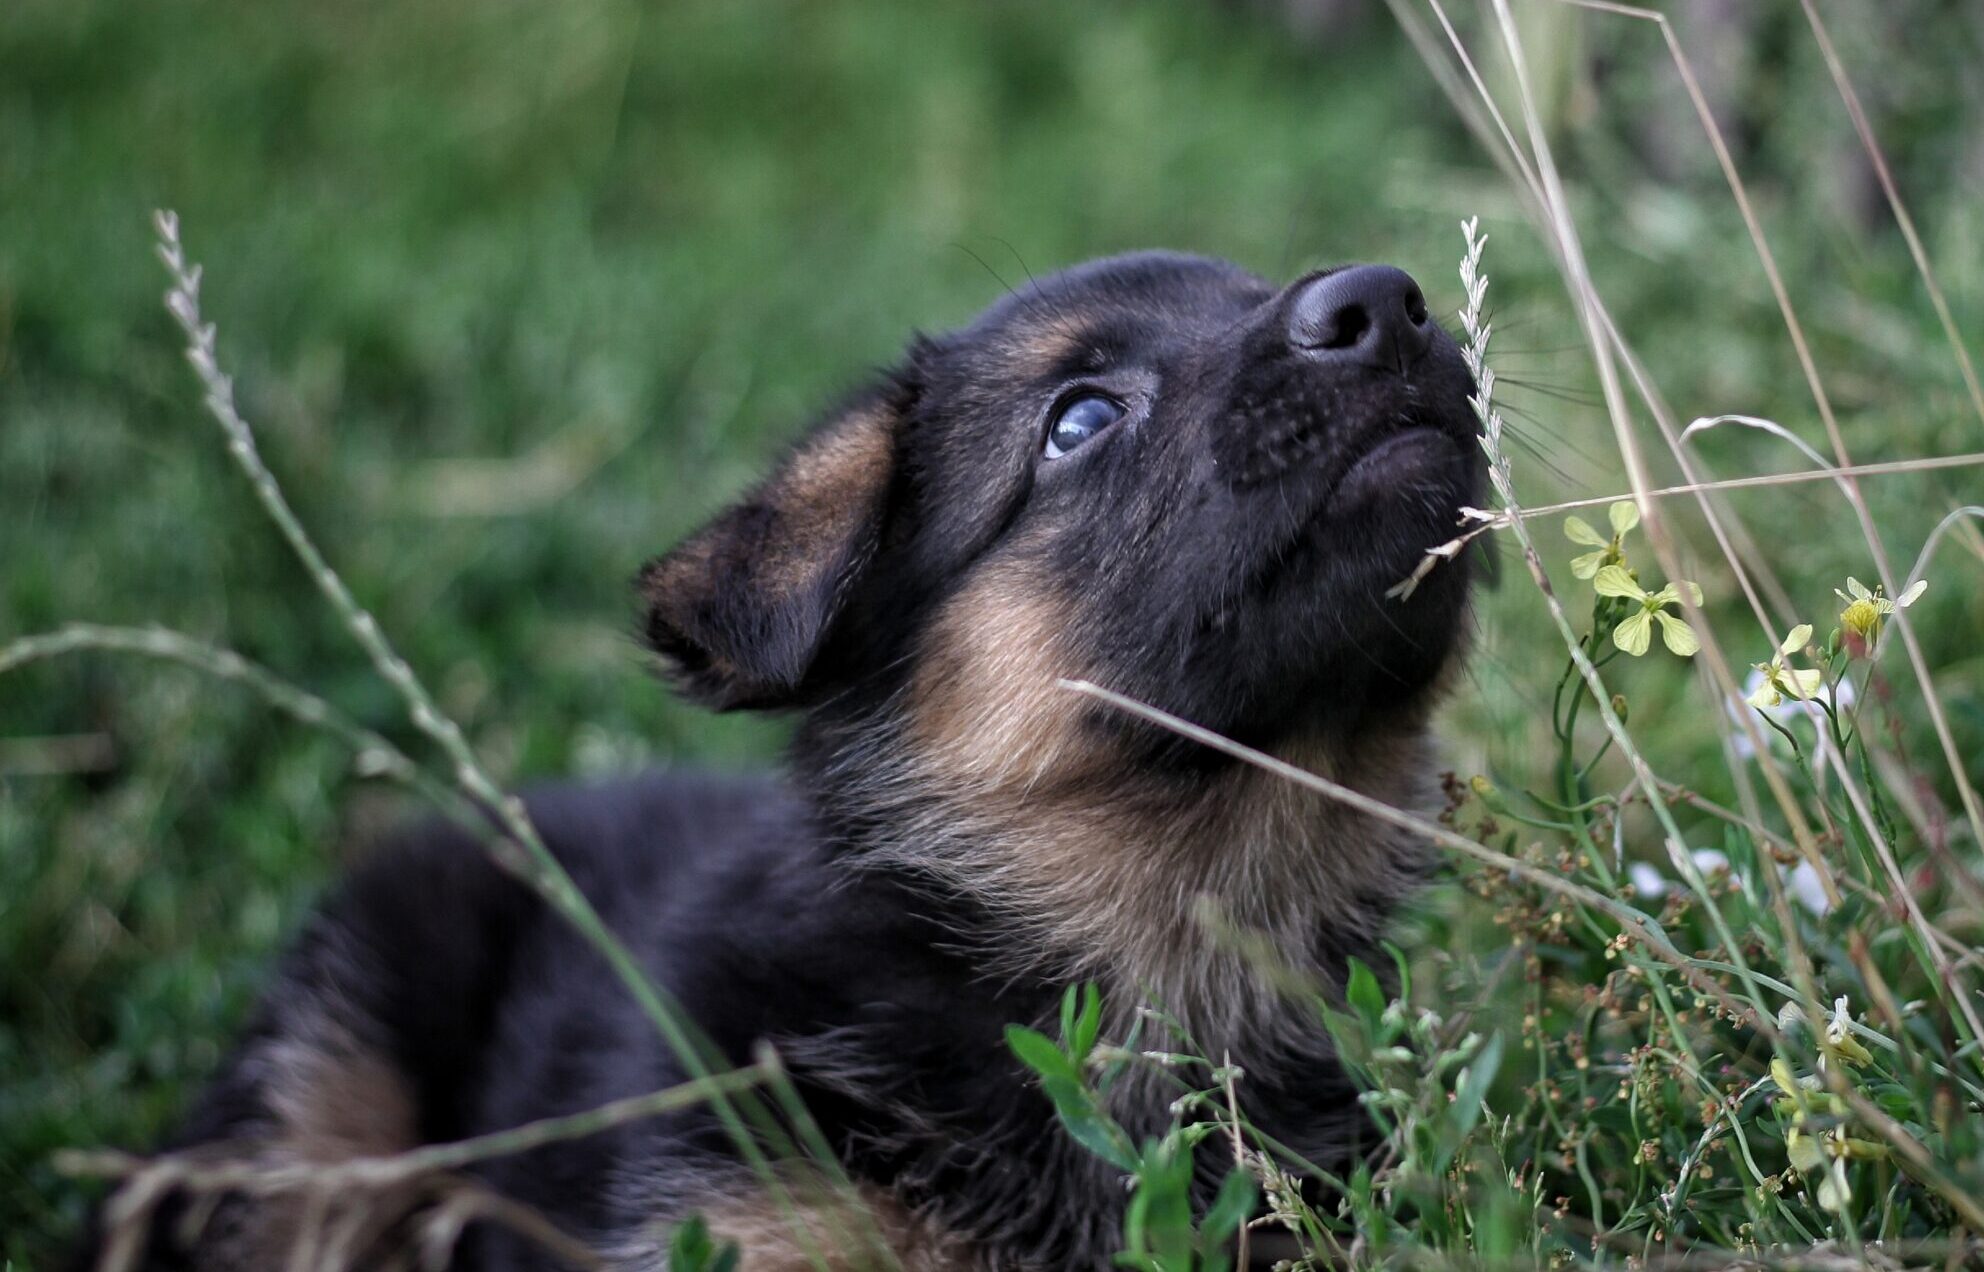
point(517, 293)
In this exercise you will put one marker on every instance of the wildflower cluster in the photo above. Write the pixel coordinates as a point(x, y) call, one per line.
point(1783, 691)
point(1637, 611)
point(1818, 1138)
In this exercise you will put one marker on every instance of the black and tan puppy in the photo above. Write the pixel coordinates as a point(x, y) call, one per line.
point(1154, 472)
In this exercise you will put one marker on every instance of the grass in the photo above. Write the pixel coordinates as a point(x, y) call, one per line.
point(516, 294)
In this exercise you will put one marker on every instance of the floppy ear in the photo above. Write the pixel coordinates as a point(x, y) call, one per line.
point(740, 609)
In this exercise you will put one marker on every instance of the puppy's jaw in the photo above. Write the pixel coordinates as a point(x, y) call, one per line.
point(1099, 861)
point(1209, 894)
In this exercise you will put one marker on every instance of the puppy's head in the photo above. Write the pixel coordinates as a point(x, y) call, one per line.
point(1157, 472)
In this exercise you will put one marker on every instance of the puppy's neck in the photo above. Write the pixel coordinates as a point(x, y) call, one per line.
point(1210, 891)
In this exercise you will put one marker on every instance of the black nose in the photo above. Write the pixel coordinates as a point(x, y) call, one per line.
point(1369, 314)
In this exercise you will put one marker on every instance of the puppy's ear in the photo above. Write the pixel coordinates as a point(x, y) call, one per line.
point(740, 609)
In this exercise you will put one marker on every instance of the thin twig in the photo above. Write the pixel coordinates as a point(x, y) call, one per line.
point(259, 1176)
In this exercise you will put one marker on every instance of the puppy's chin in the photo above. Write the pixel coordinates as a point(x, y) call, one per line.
point(1418, 467)
point(1393, 503)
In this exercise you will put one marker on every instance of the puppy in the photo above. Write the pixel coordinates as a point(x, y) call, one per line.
point(1155, 472)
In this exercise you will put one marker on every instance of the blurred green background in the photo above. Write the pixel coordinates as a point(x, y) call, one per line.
point(516, 293)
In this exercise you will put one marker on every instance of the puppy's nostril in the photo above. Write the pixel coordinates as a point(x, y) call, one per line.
point(1344, 328)
point(1415, 307)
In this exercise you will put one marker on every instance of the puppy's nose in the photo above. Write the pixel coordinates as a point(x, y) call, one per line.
point(1369, 314)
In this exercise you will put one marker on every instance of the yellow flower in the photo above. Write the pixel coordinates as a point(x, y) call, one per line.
point(1821, 1155)
point(1782, 681)
point(1824, 1156)
point(1865, 610)
point(1635, 633)
point(1623, 515)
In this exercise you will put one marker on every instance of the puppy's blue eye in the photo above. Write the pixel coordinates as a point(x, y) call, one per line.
point(1079, 419)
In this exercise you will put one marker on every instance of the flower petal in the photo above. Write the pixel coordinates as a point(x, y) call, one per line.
point(1694, 591)
point(1765, 696)
point(1668, 595)
point(1801, 684)
point(1679, 636)
point(1912, 594)
point(1802, 1147)
point(1834, 1191)
point(1587, 565)
point(1859, 589)
point(1624, 515)
point(1635, 634)
point(1850, 1051)
point(1578, 530)
point(1613, 580)
point(1796, 640)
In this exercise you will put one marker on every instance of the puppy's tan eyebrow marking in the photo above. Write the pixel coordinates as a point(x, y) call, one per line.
point(1066, 347)
point(1094, 355)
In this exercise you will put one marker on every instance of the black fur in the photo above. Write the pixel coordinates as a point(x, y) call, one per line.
point(1220, 552)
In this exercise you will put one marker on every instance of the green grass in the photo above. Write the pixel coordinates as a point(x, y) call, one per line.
point(517, 293)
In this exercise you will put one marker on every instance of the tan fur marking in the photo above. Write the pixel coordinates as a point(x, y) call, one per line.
point(823, 494)
point(986, 707)
point(1040, 347)
point(819, 499)
point(842, 1233)
point(339, 1101)
point(332, 1099)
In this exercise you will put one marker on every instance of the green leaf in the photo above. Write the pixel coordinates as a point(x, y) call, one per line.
point(1088, 1024)
point(1159, 1221)
point(1089, 1127)
point(692, 1250)
point(1365, 995)
point(1038, 1052)
point(1474, 1083)
point(1231, 1207)
point(1404, 967)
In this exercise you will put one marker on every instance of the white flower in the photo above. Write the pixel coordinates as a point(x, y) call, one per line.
point(1785, 712)
point(1807, 889)
point(1781, 680)
point(1647, 882)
